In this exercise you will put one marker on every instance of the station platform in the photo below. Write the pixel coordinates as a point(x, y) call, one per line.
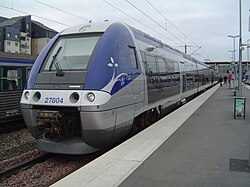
point(200, 144)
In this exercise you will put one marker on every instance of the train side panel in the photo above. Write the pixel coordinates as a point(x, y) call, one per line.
point(14, 74)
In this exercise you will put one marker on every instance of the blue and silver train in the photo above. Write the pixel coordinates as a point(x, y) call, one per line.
point(94, 84)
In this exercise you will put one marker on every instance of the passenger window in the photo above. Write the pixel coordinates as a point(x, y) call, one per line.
point(11, 78)
point(151, 65)
point(133, 59)
point(162, 65)
point(28, 70)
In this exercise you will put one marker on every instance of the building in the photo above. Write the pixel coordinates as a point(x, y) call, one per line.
point(41, 35)
point(17, 33)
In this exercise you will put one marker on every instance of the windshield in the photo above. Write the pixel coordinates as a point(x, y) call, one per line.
point(71, 53)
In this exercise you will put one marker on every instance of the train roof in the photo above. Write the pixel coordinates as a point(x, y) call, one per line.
point(17, 56)
point(95, 27)
point(184, 55)
point(100, 27)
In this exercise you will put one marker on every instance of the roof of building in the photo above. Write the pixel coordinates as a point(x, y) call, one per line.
point(11, 21)
point(43, 26)
point(2, 19)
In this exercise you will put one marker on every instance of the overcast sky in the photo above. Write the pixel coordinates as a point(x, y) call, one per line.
point(205, 23)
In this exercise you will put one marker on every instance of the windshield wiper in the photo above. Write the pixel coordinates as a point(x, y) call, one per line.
point(56, 63)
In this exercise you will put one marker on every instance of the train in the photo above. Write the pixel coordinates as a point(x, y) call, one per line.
point(92, 85)
point(14, 72)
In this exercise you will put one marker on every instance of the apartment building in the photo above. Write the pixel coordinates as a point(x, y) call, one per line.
point(17, 35)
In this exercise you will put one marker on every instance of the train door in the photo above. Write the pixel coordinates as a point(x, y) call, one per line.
point(138, 83)
point(134, 71)
point(125, 114)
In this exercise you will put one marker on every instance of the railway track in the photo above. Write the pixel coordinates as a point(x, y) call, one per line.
point(46, 169)
point(22, 166)
point(8, 127)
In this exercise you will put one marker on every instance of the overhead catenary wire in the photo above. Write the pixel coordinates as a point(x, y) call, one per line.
point(61, 10)
point(155, 21)
point(170, 22)
point(137, 20)
point(195, 45)
point(23, 12)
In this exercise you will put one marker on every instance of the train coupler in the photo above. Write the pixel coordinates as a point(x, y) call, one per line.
point(48, 122)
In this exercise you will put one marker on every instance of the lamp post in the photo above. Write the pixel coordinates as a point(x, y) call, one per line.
point(231, 36)
point(232, 59)
point(233, 55)
point(240, 54)
point(248, 45)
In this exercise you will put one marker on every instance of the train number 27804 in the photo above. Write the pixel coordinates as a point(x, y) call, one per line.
point(53, 100)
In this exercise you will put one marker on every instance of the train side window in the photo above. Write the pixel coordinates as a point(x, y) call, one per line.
point(28, 70)
point(151, 65)
point(162, 66)
point(143, 56)
point(162, 72)
point(11, 78)
point(132, 53)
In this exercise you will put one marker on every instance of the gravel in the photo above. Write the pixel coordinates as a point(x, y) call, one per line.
point(19, 146)
point(16, 143)
point(47, 172)
point(16, 160)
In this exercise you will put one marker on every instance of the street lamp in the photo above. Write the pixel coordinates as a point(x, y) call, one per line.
point(231, 36)
point(248, 45)
point(233, 55)
point(240, 54)
point(235, 67)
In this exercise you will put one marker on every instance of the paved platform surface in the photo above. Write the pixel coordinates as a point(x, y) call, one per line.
point(199, 153)
point(193, 146)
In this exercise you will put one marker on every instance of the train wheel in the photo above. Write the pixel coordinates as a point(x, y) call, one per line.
point(137, 126)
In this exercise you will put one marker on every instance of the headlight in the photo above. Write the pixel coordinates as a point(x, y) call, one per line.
point(91, 97)
point(37, 96)
point(27, 95)
point(74, 97)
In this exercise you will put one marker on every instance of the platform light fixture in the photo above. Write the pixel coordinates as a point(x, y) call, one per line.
point(234, 37)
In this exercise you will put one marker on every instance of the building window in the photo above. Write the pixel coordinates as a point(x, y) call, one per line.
point(27, 26)
point(8, 43)
point(24, 46)
point(16, 44)
point(8, 34)
point(22, 38)
point(16, 35)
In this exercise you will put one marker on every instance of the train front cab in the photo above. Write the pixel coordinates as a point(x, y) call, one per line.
point(113, 80)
